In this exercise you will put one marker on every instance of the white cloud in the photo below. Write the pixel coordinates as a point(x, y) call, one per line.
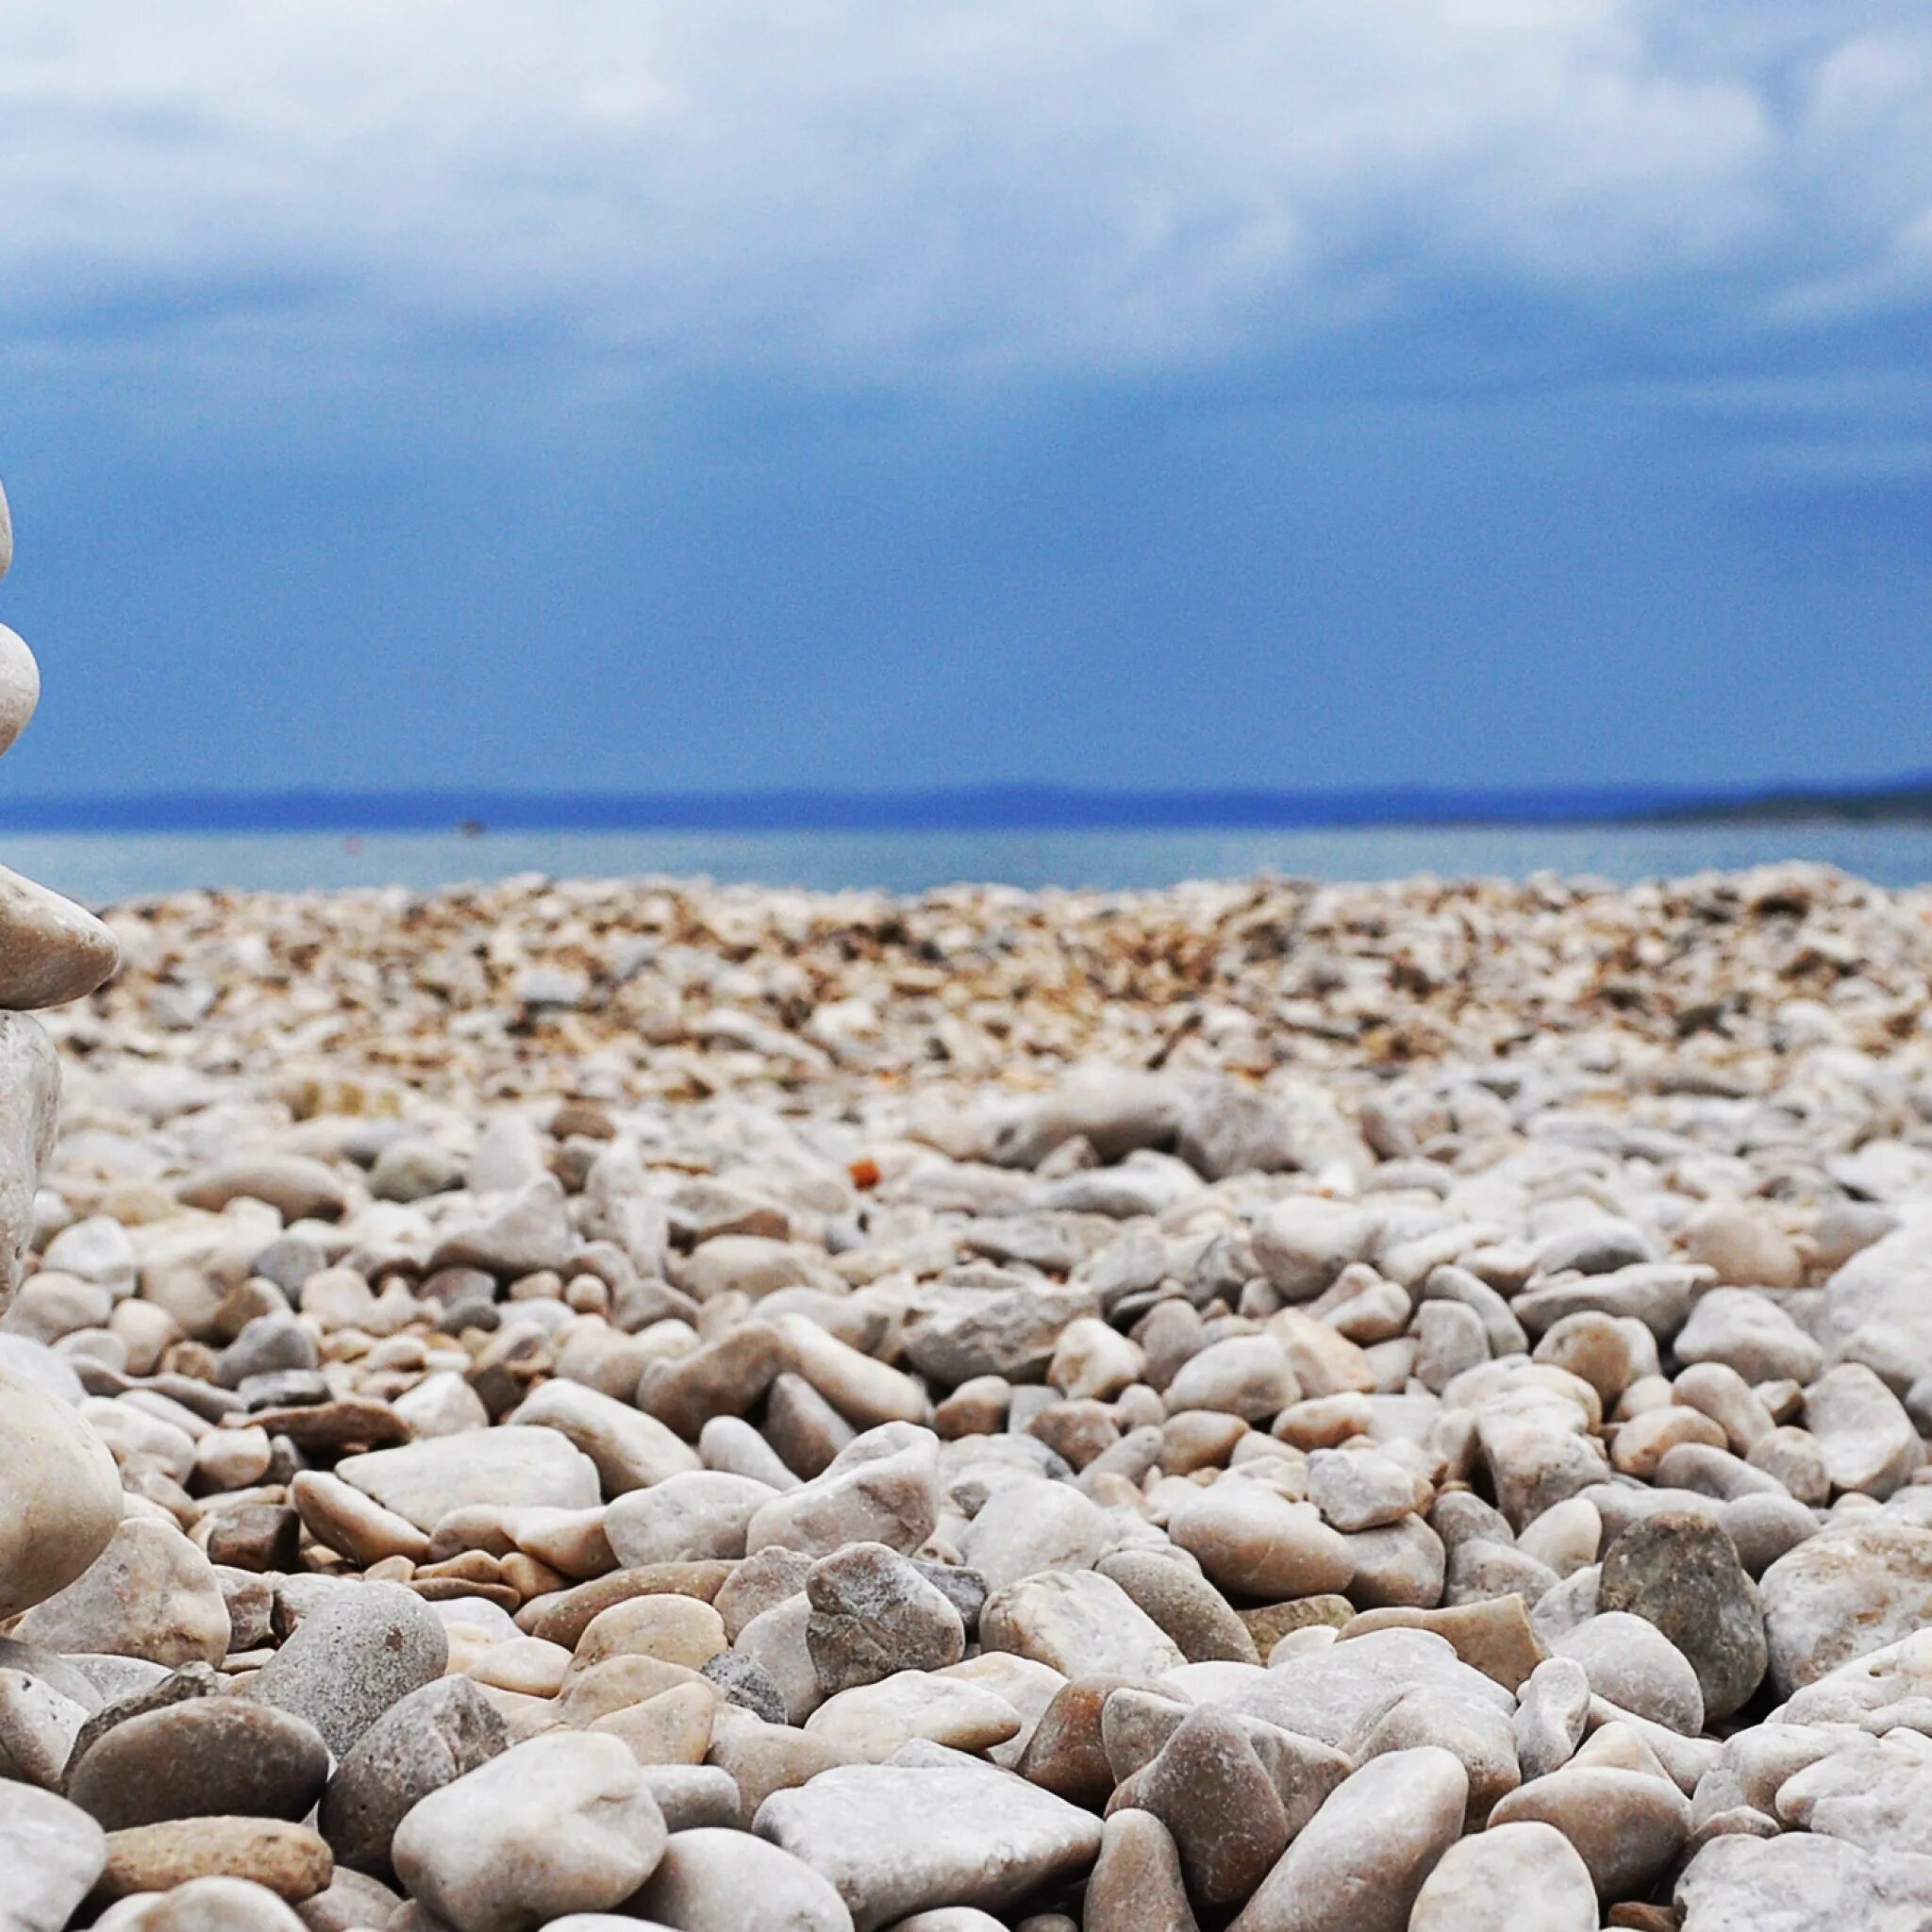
point(936, 189)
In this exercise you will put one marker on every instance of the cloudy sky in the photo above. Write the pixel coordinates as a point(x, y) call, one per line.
point(1134, 392)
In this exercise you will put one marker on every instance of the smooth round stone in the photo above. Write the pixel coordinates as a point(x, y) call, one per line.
point(1195, 1616)
point(51, 1853)
point(562, 1824)
point(364, 1650)
point(1638, 1669)
point(421, 1743)
point(1682, 1574)
point(727, 1881)
point(1526, 1876)
point(207, 1757)
point(20, 685)
point(1626, 1826)
point(62, 1499)
point(51, 950)
point(1247, 1538)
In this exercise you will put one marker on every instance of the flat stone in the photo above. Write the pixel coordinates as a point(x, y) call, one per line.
point(1495, 1637)
point(693, 1515)
point(930, 1829)
point(209, 1756)
point(287, 1860)
point(343, 1518)
point(562, 1824)
point(51, 1853)
point(51, 950)
point(422, 1742)
point(363, 1651)
point(871, 1723)
point(1358, 1863)
point(300, 1188)
point(513, 1468)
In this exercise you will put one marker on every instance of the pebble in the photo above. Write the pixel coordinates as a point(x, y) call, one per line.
point(510, 1468)
point(209, 1756)
point(1358, 1863)
point(1627, 1825)
point(873, 1615)
point(724, 1881)
point(63, 1498)
point(422, 1742)
point(1137, 1884)
point(1526, 1876)
point(1079, 1624)
point(562, 1824)
point(150, 1593)
point(288, 1860)
point(363, 1651)
point(928, 1829)
point(1682, 1574)
point(51, 1854)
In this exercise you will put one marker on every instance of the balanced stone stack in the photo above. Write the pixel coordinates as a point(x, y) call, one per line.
point(61, 1497)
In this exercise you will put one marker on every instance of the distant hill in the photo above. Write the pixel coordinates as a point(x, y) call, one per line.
point(988, 807)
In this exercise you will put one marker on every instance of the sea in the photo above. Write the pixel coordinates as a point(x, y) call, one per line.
point(105, 869)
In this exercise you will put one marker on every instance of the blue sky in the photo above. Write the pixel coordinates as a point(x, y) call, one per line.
point(1129, 393)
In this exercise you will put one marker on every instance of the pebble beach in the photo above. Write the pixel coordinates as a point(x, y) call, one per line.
point(1306, 1409)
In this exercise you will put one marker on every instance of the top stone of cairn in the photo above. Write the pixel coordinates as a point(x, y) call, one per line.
point(51, 950)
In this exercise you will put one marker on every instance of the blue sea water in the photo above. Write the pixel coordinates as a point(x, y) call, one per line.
point(102, 869)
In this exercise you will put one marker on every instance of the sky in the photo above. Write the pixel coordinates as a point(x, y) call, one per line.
point(1129, 393)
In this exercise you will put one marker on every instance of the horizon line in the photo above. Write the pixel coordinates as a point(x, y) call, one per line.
point(1019, 805)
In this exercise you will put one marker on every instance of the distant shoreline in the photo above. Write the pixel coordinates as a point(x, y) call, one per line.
point(982, 809)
